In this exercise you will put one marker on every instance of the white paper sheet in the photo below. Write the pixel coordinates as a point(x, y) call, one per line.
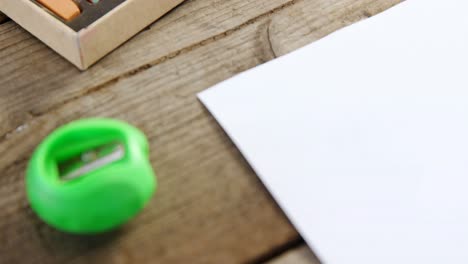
point(362, 137)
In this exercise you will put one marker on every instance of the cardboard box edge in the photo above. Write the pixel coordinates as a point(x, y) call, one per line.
point(106, 34)
point(45, 27)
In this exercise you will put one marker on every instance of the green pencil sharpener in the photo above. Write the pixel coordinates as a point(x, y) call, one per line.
point(90, 176)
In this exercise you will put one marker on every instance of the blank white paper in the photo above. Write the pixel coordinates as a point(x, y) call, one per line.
point(362, 137)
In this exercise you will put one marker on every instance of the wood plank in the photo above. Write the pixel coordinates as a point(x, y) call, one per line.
point(210, 207)
point(208, 194)
point(35, 80)
point(299, 255)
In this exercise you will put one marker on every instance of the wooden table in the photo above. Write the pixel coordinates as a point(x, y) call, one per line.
point(210, 207)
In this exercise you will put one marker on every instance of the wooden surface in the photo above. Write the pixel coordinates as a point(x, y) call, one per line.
point(210, 207)
point(299, 255)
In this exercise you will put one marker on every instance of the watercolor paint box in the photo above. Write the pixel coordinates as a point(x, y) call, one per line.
point(84, 31)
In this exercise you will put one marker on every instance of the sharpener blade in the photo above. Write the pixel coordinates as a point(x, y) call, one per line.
point(90, 160)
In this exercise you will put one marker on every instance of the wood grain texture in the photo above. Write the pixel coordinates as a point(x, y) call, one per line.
point(39, 79)
point(210, 208)
point(300, 255)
